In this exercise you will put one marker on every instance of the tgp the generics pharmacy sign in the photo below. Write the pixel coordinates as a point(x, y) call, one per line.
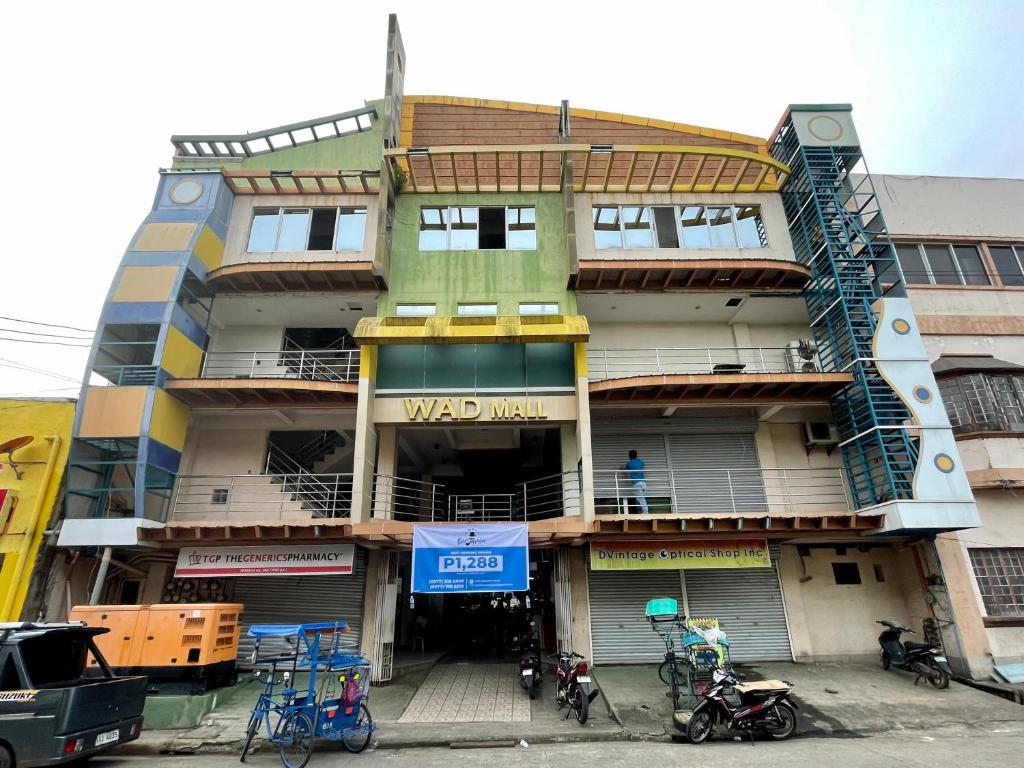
point(287, 560)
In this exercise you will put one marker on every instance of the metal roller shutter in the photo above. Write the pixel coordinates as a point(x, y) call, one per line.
point(716, 473)
point(748, 605)
point(618, 599)
point(610, 452)
point(301, 599)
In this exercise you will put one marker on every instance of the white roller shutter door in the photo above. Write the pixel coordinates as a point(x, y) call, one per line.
point(618, 599)
point(301, 599)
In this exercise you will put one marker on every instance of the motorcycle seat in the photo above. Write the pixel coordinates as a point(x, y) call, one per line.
point(762, 686)
point(911, 645)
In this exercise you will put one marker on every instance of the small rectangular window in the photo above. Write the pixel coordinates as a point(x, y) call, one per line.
point(538, 309)
point(879, 573)
point(607, 233)
point(294, 230)
point(846, 573)
point(321, 229)
point(433, 229)
point(971, 266)
point(940, 259)
point(416, 310)
point(522, 229)
point(636, 227)
point(478, 310)
point(1008, 264)
point(464, 224)
point(351, 229)
point(750, 227)
point(665, 224)
point(695, 227)
point(492, 228)
point(263, 234)
point(219, 496)
point(722, 233)
point(912, 263)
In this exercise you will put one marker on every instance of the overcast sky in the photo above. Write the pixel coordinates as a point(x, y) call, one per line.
point(92, 92)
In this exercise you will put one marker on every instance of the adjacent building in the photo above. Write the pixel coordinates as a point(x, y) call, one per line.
point(432, 309)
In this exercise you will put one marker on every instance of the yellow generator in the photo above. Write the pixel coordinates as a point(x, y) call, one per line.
point(183, 648)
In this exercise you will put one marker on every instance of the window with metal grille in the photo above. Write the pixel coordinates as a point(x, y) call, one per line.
point(980, 402)
point(1000, 577)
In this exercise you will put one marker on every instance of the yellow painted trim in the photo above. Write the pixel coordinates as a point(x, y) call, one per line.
point(113, 412)
point(140, 283)
point(181, 357)
point(588, 114)
point(164, 237)
point(209, 248)
point(368, 362)
point(461, 330)
point(580, 351)
point(168, 421)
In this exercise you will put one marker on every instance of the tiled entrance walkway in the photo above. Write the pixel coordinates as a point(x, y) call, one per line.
point(467, 693)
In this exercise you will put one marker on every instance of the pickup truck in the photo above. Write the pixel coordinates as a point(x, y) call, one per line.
point(53, 707)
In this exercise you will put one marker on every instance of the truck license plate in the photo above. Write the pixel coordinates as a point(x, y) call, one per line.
point(107, 738)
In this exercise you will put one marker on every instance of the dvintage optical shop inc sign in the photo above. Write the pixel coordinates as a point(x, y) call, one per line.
point(665, 555)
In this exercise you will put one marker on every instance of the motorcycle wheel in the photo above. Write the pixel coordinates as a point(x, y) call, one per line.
point(939, 678)
point(886, 660)
point(699, 727)
point(787, 716)
point(581, 704)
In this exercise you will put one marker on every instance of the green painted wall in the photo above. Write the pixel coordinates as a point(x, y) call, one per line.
point(448, 278)
point(356, 152)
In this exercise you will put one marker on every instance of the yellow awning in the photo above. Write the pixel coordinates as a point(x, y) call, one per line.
point(472, 330)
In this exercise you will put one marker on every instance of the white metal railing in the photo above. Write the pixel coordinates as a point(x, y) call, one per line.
point(309, 364)
point(271, 496)
point(622, 363)
point(402, 498)
point(670, 491)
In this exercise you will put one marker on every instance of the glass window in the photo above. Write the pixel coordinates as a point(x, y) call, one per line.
point(607, 233)
point(294, 230)
point(695, 227)
point(263, 234)
point(478, 310)
point(464, 223)
point(940, 259)
point(433, 229)
point(750, 227)
point(971, 267)
point(722, 233)
point(416, 310)
point(665, 224)
point(912, 263)
point(522, 229)
point(1000, 577)
point(321, 229)
point(351, 229)
point(538, 309)
point(492, 228)
point(1007, 260)
point(636, 227)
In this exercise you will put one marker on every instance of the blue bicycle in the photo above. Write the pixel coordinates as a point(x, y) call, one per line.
point(333, 702)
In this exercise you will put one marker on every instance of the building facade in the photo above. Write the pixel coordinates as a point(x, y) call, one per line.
point(452, 311)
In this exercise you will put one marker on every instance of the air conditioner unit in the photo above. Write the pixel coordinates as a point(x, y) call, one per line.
point(802, 356)
point(820, 433)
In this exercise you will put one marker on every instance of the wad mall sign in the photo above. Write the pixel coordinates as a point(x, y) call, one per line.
point(393, 410)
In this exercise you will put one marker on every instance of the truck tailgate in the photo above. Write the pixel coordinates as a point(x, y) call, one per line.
point(97, 703)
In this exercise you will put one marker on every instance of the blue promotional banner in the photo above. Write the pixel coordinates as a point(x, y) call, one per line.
point(490, 557)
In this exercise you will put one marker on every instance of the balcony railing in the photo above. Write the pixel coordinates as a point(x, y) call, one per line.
point(340, 365)
point(698, 491)
point(400, 498)
point(291, 496)
point(623, 363)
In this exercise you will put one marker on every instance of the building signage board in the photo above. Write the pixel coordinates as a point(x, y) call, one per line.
point(271, 560)
point(666, 555)
point(489, 557)
point(494, 408)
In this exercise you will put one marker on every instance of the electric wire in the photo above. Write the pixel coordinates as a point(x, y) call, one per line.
point(49, 335)
point(4, 363)
point(55, 343)
point(48, 325)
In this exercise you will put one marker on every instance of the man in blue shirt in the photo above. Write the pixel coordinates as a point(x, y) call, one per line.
point(635, 472)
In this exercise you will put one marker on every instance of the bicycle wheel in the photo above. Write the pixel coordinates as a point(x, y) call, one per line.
point(294, 736)
point(250, 733)
point(360, 741)
point(664, 672)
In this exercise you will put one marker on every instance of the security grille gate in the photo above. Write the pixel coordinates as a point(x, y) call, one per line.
point(561, 591)
point(748, 605)
point(618, 599)
point(301, 599)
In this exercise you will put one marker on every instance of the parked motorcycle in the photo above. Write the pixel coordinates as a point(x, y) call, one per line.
point(529, 665)
point(572, 685)
point(924, 659)
point(765, 707)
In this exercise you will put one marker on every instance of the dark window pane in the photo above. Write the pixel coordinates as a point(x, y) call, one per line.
point(846, 573)
point(941, 261)
point(492, 228)
point(971, 267)
point(321, 229)
point(1007, 266)
point(912, 263)
point(665, 223)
